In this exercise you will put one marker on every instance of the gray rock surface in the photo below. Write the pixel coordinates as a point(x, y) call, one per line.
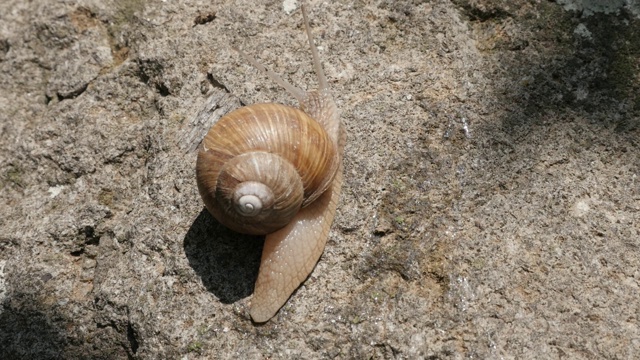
point(491, 206)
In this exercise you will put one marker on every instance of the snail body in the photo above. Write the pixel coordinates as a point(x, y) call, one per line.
point(274, 170)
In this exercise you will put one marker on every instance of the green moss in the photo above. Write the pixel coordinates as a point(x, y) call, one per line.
point(203, 329)
point(195, 346)
point(105, 197)
point(398, 184)
point(14, 175)
point(376, 295)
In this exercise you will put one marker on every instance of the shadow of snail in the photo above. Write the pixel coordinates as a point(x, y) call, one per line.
point(227, 262)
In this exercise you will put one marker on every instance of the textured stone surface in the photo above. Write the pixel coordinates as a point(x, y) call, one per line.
point(491, 206)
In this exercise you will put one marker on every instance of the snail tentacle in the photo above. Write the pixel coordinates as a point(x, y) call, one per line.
point(293, 90)
point(317, 64)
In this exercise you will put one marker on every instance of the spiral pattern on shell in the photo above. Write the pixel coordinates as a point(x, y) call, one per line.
point(260, 164)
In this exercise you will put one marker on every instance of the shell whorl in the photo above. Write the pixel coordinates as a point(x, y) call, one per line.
point(250, 197)
point(260, 164)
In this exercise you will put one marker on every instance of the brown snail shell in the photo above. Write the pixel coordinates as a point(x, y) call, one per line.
point(261, 163)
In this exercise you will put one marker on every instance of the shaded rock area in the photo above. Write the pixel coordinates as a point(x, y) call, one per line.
point(491, 205)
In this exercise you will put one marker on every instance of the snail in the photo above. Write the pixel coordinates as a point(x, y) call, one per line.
point(275, 170)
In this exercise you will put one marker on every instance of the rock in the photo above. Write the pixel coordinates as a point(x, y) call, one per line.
point(490, 206)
